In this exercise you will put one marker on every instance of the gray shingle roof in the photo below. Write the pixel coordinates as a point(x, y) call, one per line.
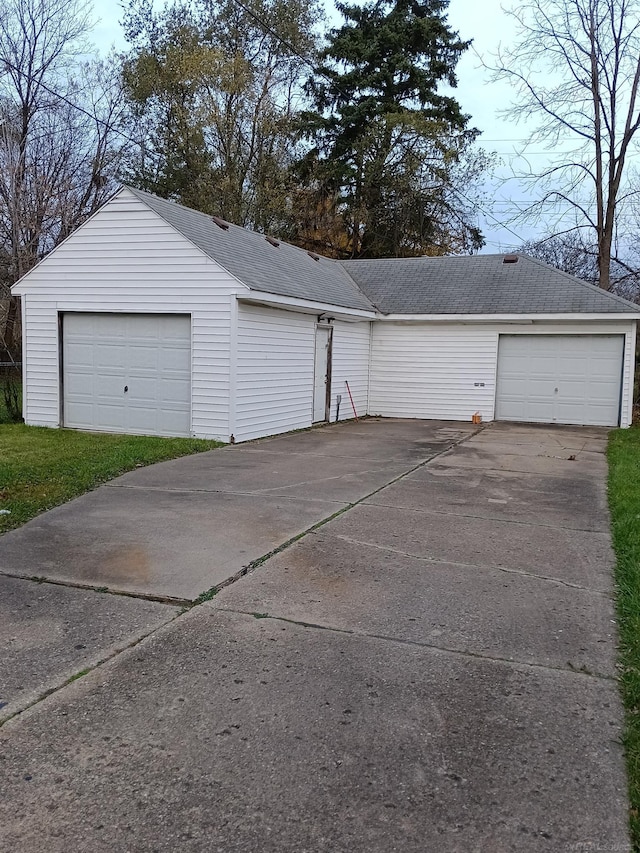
point(479, 284)
point(285, 270)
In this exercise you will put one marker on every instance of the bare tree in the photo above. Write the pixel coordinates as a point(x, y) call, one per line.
point(58, 146)
point(575, 67)
point(569, 253)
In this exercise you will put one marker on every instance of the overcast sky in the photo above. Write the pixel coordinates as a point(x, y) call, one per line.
point(484, 22)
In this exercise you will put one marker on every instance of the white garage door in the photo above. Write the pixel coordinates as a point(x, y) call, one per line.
point(127, 373)
point(565, 379)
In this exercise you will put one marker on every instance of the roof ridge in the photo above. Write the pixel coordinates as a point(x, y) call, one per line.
point(422, 258)
point(350, 283)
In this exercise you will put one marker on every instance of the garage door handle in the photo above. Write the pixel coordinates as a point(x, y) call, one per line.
point(555, 389)
point(126, 388)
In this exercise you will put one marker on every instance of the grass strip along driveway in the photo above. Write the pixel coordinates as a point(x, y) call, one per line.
point(624, 502)
point(41, 468)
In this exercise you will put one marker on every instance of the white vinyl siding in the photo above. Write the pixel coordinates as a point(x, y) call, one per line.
point(274, 371)
point(448, 371)
point(127, 259)
point(565, 379)
point(40, 401)
point(351, 345)
point(429, 371)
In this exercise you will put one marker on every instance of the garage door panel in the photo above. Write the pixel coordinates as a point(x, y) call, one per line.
point(109, 385)
point(150, 355)
point(573, 368)
point(141, 419)
point(539, 388)
point(178, 361)
point(107, 325)
point(109, 357)
point(571, 379)
point(78, 383)
point(174, 392)
point(80, 353)
point(106, 415)
point(145, 391)
point(145, 357)
point(82, 413)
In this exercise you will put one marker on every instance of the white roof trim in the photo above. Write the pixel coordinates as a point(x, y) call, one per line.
point(505, 318)
point(291, 303)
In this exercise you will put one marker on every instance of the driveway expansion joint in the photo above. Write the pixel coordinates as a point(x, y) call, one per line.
point(91, 667)
point(170, 601)
point(256, 563)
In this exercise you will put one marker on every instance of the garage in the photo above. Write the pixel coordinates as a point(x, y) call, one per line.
point(565, 379)
point(127, 373)
point(177, 323)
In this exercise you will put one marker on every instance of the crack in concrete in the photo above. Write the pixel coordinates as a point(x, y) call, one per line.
point(465, 653)
point(306, 454)
point(469, 467)
point(170, 490)
point(490, 566)
point(272, 489)
point(491, 518)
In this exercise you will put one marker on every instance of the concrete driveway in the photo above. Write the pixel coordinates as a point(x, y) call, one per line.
point(176, 529)
point(431, 669)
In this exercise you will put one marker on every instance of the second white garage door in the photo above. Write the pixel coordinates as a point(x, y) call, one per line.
point(565, 379)
point(127, 373)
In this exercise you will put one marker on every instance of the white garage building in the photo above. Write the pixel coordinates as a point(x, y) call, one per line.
point(155, 319)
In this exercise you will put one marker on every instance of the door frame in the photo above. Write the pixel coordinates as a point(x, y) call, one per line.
point(327, 378)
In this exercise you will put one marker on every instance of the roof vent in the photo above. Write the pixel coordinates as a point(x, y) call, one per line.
point(272, 241)
point(221, 223)
point(510, 259)
point(314, 256)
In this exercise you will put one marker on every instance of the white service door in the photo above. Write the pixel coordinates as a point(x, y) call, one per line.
point(127, 373)
point(321, 373)
point(564, 379)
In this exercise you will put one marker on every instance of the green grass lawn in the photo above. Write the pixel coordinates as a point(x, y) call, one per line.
point(624, 502)
point(41, 468)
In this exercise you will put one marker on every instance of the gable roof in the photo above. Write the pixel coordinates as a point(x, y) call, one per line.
point(452, 285)
point(479, 284)
point(284, 269)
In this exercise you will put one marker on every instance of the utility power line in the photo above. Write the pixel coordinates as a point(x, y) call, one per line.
point(70, 103)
